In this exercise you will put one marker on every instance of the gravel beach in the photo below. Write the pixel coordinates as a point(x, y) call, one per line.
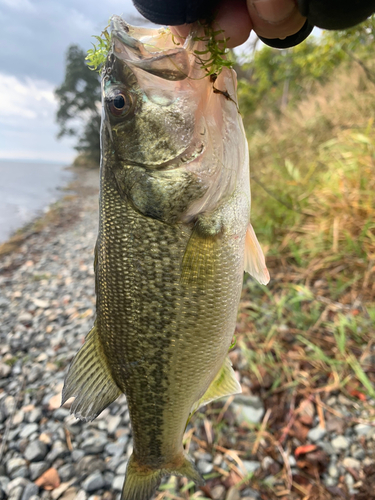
point(47, 306)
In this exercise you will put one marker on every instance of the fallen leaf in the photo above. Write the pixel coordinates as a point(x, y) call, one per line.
point(357, 394)
point(306, 448)
point(49, 480)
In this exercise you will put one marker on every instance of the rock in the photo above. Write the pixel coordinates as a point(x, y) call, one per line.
point(218, 492)
point(34, 416)
point(30, 490)
point(66, 472)
point(121, 466)
point(81, 495)
point(36, 451)
point(118, 482)
point(5, 370)
point(45, 438)
point(316, 434)
point(327, 447)
point(248, 409)
point(89, 464)
point(58, 450)
point(113, 422)
point(205, 467)
point(93, 482)
point(77, 455)
point(37, 469)
point(233, 494)
point(19, 482)
point(25, 318)
point(340, 443)
point(70, 494)
point(61, 414)
point(115, 449)
point(94, 444)
point(362, 429)
point(18, 418)
point(333, 471)
point(8, 405)
point(57, 492)
point(28, 429)
point(17, 468)
point(251, 466)
point(250, 494)
point(351, 463)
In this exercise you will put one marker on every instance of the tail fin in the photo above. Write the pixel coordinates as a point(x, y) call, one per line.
point(141, 482)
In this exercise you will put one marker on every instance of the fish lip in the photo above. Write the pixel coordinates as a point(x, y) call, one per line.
point(193, 151)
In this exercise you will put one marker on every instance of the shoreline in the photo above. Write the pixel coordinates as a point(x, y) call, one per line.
point(57, 214)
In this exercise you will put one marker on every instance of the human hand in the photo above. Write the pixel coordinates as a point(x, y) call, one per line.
point(268, 18)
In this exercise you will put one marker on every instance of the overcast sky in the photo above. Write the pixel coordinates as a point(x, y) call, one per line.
point(34, 36)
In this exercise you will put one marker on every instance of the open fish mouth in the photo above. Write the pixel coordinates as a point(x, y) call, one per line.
point(153, 50)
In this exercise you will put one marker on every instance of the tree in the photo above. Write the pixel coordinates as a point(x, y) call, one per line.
point(79, 108)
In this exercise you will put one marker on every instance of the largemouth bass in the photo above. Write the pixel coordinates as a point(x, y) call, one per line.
point(174, 239)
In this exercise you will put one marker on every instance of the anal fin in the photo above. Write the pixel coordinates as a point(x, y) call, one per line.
point(224, 384)
point(255, 263)
point(89, 380)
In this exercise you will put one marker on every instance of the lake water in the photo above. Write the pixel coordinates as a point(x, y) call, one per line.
point(26, 190)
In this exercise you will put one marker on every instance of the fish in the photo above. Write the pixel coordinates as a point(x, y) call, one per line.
point(174, 240)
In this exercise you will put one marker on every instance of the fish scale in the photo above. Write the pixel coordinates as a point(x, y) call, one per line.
point(169, 332)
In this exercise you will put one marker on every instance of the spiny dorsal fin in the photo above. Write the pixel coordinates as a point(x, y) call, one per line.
point(89, 380)
point(224, 384)
point(255, 263)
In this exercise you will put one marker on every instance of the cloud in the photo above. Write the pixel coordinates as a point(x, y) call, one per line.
point(35, 35)
point(27, 121)
point(38, 33)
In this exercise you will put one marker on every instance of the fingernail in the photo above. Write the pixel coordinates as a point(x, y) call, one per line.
point(274, 11)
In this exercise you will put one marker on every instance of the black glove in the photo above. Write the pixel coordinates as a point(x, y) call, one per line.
point(326, 14)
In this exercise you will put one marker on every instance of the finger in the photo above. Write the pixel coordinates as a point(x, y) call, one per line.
point(232, 17)
point(275, 18)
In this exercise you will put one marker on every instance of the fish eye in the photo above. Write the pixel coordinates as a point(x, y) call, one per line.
point(120, 104)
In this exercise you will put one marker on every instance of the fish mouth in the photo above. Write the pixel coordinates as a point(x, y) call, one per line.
point(151, 50)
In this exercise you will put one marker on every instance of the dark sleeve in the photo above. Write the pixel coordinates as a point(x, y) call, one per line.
point(326, 14)
point(175, 12)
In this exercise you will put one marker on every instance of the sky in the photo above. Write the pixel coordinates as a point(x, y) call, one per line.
point(34, 37)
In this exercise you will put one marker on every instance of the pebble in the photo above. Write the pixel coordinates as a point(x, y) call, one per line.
point(351, 463)
point(316, 434)
point(205, 467)
point(340, 443)
point(93, 482)
point(47, 305)
point(35, 451)
point(36, 469)
point(363, 429)
point(248, 409)
point(30, 490)
point(251, 466)
point(118, 482)
point(28, 429)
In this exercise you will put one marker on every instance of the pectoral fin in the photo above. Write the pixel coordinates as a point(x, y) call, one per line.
point(224, 384)
point(255, 263)
point(199, 262)
point(89, 380)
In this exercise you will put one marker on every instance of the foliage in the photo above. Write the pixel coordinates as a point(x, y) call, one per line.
point(96, 57)
point(79, 98)
point(215, 56)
